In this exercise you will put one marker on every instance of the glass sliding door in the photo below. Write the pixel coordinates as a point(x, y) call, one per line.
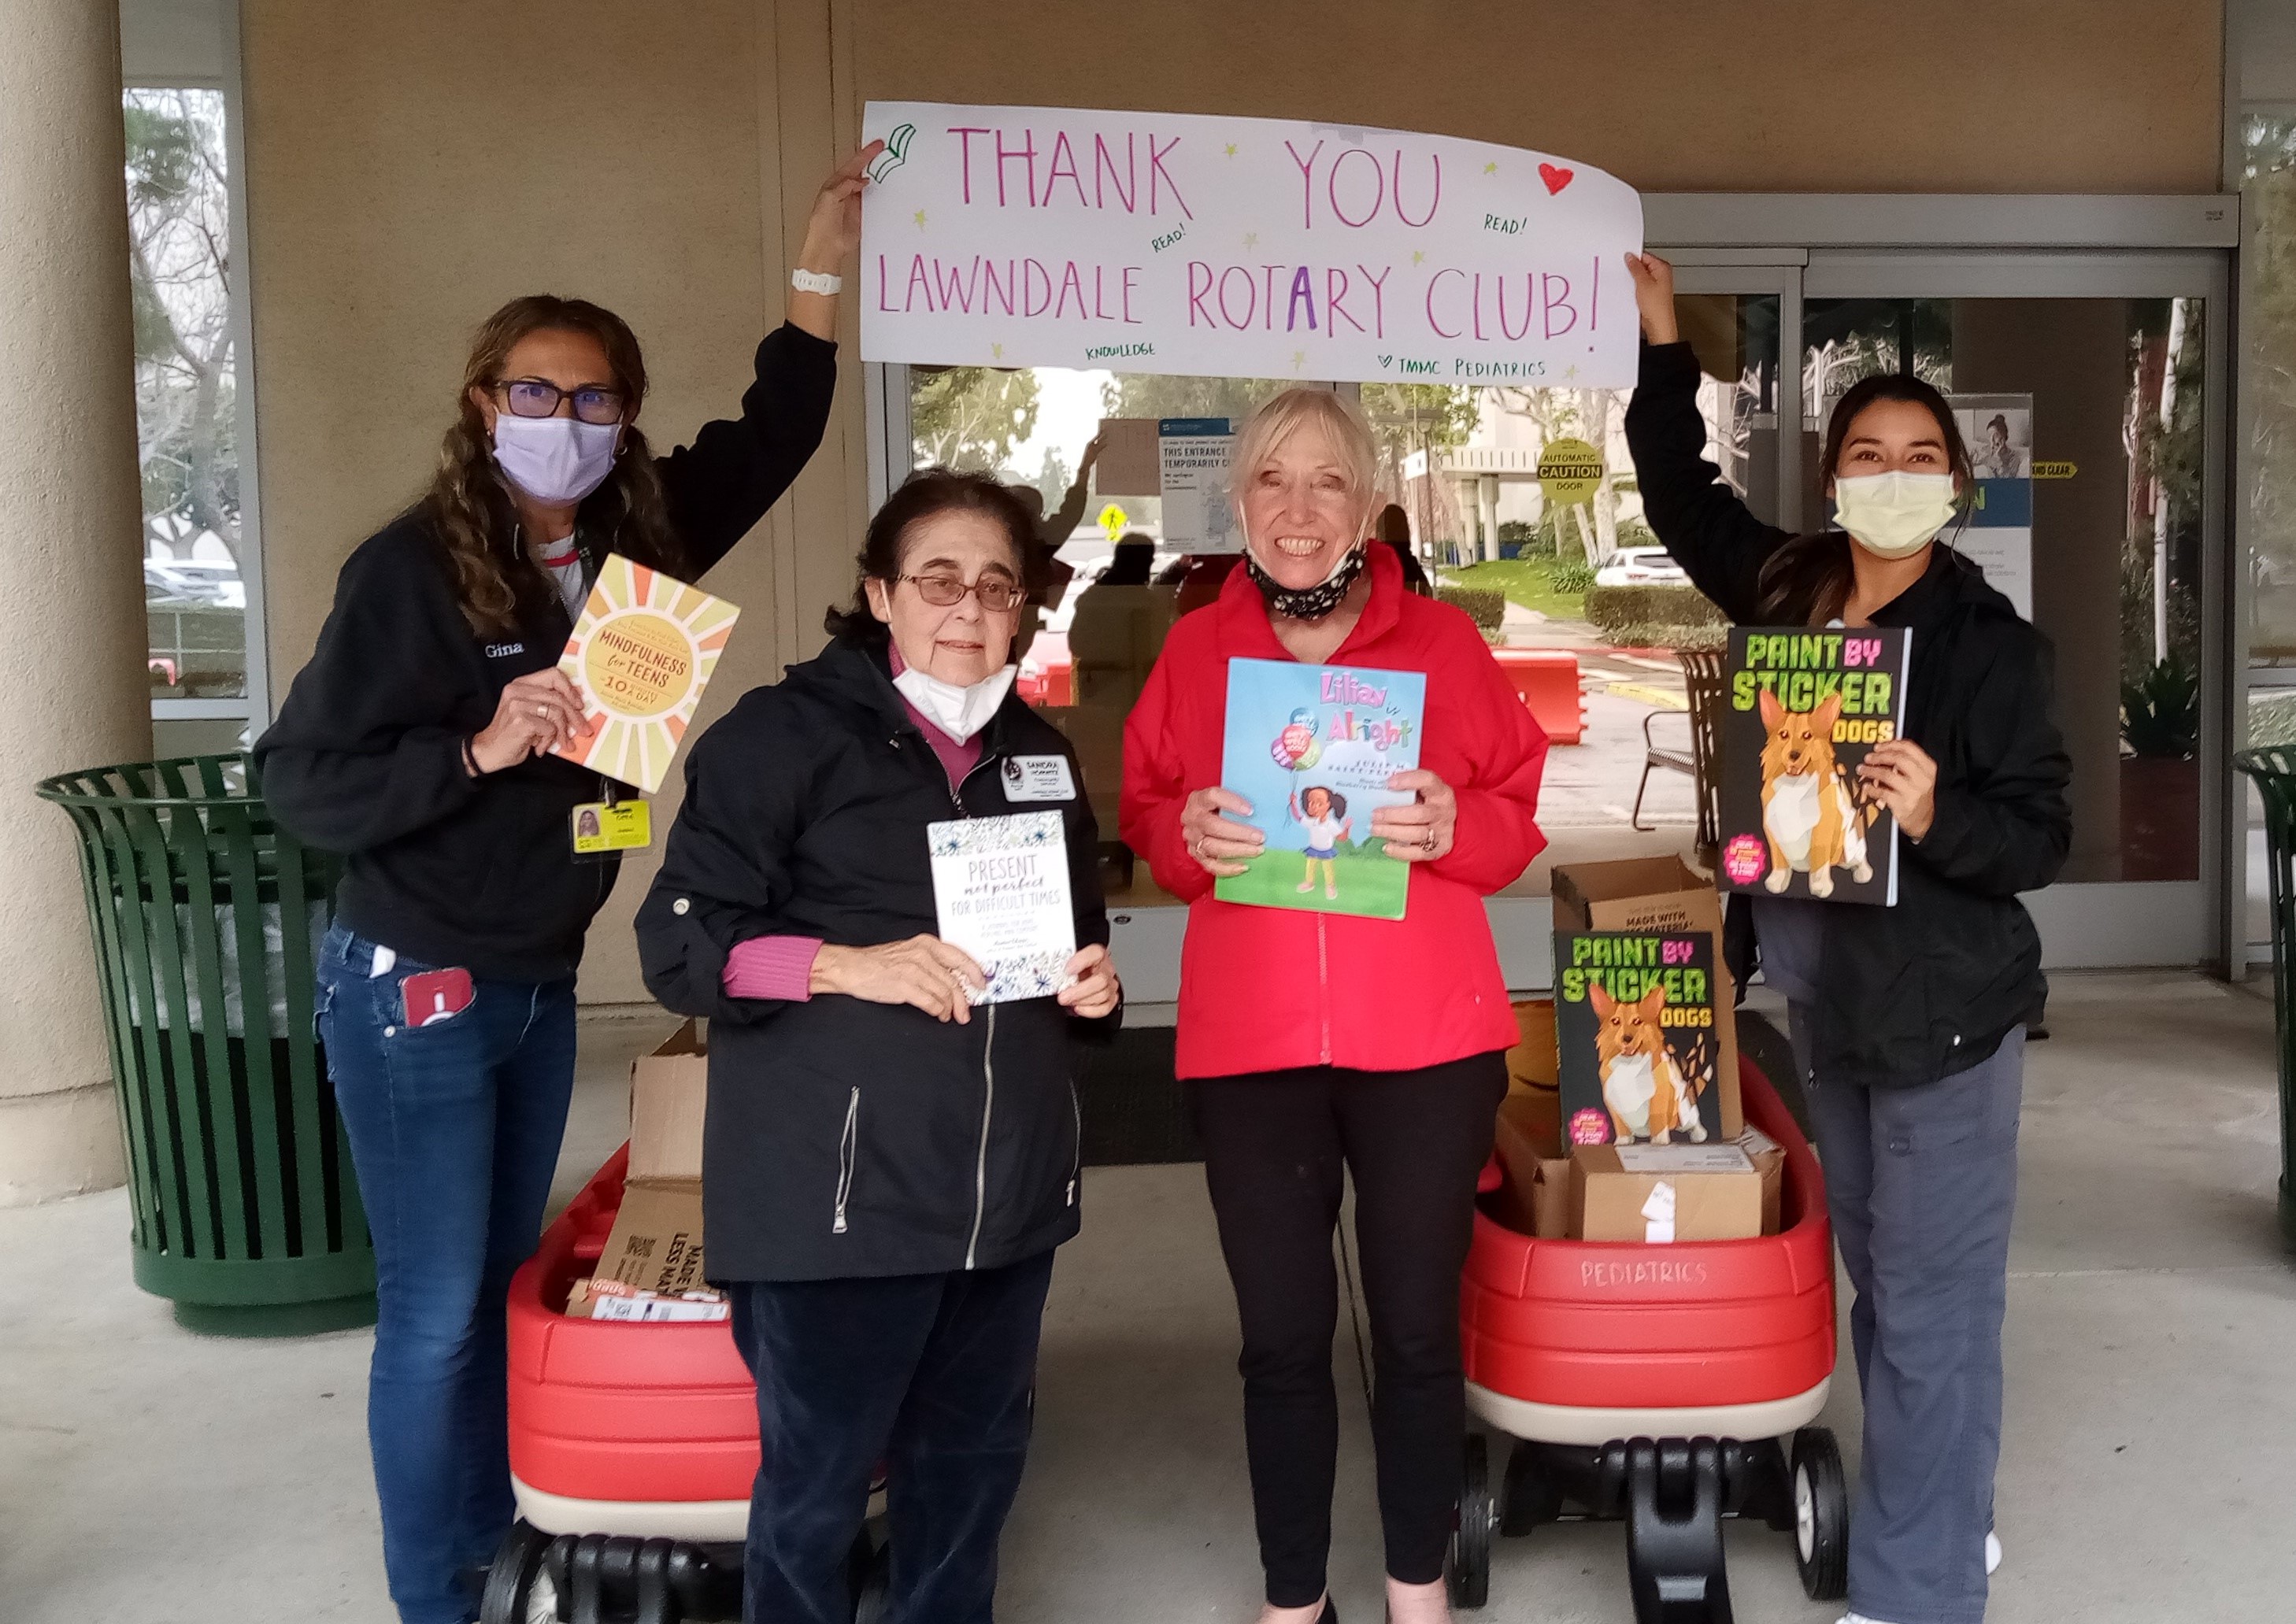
point(2091, 389)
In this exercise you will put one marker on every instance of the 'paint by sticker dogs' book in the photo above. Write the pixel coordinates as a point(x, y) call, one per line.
point(1800, 708)
point(1634, 1032)
point(1312, 748)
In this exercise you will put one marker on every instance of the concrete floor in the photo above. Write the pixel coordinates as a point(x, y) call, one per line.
point(153, 1475)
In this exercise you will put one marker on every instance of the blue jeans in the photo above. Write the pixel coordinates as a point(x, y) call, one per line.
point(929, 1375)
point(1922, 1183)
point(455, 1128)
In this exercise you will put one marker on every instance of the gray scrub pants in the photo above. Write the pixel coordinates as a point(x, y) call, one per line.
point(1922, 1183)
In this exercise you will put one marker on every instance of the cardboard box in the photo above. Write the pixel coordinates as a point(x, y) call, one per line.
point(1535, 1196)
point(669, 1097)
point(1657, 894)
point(611, 1299)
point(1769, 1158)
point(1657, 1193)
point(656, 1242)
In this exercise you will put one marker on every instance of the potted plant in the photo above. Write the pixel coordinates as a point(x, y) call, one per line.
point(2160, 774)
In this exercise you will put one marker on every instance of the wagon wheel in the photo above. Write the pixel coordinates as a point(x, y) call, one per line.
point(1467, 1565)
point(1821, 1505)
point(511, 1580)
point(1532, 1496)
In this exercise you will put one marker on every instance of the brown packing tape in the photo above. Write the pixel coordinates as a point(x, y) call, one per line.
point(1659, 894)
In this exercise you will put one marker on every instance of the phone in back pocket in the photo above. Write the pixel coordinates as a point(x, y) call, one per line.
point(435, 994)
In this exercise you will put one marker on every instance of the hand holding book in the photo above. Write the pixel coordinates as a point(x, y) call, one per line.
point(1901, 775)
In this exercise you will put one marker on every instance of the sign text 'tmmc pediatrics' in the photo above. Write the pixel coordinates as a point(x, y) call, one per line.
point(1164, 243)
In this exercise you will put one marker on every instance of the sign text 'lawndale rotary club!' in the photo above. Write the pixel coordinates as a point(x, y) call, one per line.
point(1160, 242)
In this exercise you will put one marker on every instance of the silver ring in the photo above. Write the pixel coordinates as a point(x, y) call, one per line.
point(1427, 842)
point(542, 710)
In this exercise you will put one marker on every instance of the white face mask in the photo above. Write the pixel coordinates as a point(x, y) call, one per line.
point(958, 712)
point(1894, 515)
point(556, 459)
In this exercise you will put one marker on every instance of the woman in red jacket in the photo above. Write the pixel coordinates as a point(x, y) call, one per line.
point(1313, 1042)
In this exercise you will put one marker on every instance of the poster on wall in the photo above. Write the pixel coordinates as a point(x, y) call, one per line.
point(1237, 247)
point(1999, 430)
point(1193, 455)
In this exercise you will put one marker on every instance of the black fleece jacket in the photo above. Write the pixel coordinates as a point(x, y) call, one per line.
point(367, 756)
point(1912, 992)
point(848, 1138)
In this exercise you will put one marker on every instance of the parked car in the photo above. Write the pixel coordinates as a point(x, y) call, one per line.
point(181, 583)
point(1639, 567)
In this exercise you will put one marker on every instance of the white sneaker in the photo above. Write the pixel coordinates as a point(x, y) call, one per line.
point(1992, 1553)
point(1857, 1618)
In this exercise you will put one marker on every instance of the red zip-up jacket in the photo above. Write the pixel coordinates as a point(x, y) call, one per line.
point(1263, 989)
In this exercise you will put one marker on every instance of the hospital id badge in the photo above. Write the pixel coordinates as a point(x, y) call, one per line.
point(604, 828)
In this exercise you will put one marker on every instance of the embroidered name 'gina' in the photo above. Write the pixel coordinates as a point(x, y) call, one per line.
point(503, 651)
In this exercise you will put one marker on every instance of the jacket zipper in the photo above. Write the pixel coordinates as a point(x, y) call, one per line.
point(849, 1151)
point(980, 1167)
point(988, 1059)
point(1323, 987)
point(1076, 1157)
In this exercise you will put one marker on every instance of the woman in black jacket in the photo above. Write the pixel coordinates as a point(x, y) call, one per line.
point(888, 1164)
point(1910, 1021)
point(417, 743)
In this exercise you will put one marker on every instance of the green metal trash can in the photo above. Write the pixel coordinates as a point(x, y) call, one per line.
point(206, 918)
point(2274, 771)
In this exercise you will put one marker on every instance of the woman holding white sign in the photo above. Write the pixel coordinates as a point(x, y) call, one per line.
point(883, 889)
point(418, 742)
point(1908, 1019)
point(1317, 1043)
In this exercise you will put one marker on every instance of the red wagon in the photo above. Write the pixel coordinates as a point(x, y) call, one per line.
point(632, 1451)
point(1667, 1386)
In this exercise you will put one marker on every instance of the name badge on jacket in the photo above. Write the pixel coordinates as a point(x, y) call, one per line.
point(1038, 778)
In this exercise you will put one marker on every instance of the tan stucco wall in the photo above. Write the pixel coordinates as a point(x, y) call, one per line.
point(1723, 96)
point(400, 184)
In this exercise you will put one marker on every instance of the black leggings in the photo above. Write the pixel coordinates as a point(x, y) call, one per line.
point(1274, 1142)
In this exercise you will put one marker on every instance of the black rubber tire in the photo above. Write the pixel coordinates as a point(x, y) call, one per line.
point(1530, 1497)
point(1821, 1505)
point(509, 1581)
point(1467, 1565)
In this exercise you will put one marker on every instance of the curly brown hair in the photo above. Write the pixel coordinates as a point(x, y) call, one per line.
point(469, 507)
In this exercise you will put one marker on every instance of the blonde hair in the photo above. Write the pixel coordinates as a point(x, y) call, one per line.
point(1343, 429)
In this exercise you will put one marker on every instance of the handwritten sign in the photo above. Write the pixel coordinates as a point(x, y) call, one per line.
point(1168, 242)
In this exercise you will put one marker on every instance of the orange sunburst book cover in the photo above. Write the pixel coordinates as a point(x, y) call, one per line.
point(640, 656)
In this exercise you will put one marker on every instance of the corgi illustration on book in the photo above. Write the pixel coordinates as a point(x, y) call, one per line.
point(1812, 823)
point(1647, 1095)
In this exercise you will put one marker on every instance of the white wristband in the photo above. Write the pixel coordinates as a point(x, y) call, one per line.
point(816, 282)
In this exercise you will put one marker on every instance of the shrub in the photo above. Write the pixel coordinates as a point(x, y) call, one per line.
point(2160, 710)
point(1613, 609)
point(1571, 577)
point(1485, 606)
point(1656, 634)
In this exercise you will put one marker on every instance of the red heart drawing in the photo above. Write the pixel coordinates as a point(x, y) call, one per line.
point(1555, 179)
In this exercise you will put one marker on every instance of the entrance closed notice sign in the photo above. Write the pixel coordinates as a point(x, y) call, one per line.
point(1168, 242)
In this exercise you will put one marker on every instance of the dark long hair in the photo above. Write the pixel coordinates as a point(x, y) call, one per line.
point(470, 508)
point(924, 495)
point(1806, 581)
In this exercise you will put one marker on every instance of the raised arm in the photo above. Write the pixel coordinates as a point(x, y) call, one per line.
point(721, 485)
point(1703, 523)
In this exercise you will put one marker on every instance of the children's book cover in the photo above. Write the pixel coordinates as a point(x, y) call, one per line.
point(640, 656)
point(1800, 711)
point(1312, 748)
point(1634, 1036)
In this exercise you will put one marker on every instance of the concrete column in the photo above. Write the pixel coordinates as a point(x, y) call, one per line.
point(71, 618)
point(1487, 508)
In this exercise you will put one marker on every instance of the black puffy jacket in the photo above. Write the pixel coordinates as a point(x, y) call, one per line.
point(848, 1138)
point(1912, 993)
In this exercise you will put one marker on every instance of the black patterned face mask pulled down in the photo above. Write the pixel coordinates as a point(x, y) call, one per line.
point(1307, 603)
